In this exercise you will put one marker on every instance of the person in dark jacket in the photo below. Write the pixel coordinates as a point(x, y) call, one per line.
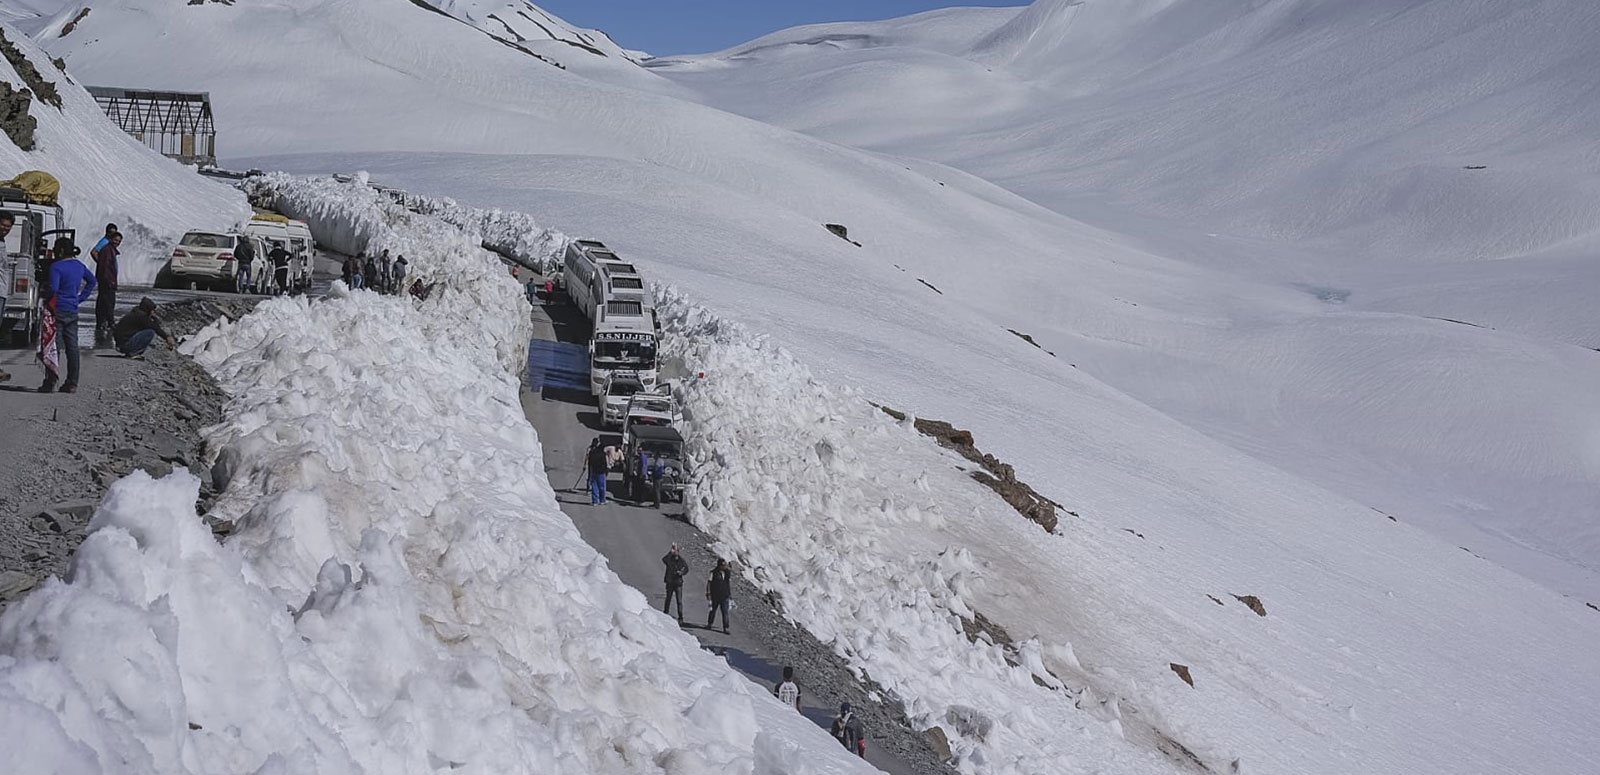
point(245, 254)
point(137, 329)
point(280, 266)
point(369, 274)
point(600, 461)
point(847, 730)
point(399, 274)
point(718, 589)
point(677, 568)
point(71, 284)
point(105, 274)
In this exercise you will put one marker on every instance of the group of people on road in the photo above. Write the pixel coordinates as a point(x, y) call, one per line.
point(278, 259)
point(66, 282)
point(846, 727)
point(719, 588)
point(378, 273)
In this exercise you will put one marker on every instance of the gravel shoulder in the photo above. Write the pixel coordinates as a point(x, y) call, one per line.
point(61, 452)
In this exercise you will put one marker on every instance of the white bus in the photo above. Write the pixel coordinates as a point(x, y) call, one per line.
point(585, 275)
point(624, 341)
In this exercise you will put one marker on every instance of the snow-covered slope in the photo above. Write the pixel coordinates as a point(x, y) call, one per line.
point(108, 177)
point(1209, 396)
point(1370, 154)
point(1209, 112)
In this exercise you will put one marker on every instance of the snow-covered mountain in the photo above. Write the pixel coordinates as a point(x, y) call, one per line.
point(1166, 196)
point(105, 175)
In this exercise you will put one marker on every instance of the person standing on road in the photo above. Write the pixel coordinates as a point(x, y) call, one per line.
point(71, 284)
point(600, 462)
point(369, 274)
point(137, 329)
point(787, 691)
point(531, 290)
point(385, 273)
point(352, 270)
point(244, 253)
point(847, 730)
point(105, 274)
point(399, 274)
point(719, 588)
point(677, 568)
point(280, 267)
point(94, 252)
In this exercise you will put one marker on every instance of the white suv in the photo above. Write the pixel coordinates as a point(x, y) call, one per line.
point(202, 258)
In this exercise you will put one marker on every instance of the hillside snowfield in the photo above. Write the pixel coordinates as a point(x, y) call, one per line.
point(1227, 414)
point(106, 176)
point(1322, 147)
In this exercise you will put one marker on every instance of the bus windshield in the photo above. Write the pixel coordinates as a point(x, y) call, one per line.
point(637, 354)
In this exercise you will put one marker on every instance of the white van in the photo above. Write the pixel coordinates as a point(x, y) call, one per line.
point(304, 250)
point(272, 230)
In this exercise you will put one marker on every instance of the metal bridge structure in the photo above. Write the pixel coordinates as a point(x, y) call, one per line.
point(175, 124)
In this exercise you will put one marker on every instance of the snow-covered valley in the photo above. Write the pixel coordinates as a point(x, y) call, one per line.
point(1287, 348)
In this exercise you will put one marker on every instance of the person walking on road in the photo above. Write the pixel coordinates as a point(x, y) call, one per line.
point(677, 568)
point(71, 284)
point(279, 258)
point(718, 589)
point(105, 275)
point(137, 329)
point(601, 460)
point(787, 691)
point(244, 254)
point(847, 730)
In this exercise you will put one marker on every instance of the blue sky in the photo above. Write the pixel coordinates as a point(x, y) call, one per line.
point(698, 26)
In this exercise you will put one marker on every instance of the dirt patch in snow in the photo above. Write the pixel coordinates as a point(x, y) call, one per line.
point(44, 90)
point(1183, 672)
point(995, 475)
point(66, 29)
point(1253, 602)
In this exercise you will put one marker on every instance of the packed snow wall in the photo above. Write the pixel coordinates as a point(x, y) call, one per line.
point(402, 592)
point(879, 543)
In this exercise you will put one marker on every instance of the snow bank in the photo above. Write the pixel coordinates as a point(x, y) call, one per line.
point(107, 176)
point(828, 503)
point(507, 232)
point(402, 592)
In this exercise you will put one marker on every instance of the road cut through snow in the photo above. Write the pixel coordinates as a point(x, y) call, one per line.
point(402, 593)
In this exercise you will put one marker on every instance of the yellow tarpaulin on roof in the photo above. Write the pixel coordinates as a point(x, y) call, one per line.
point(274, 217)
point(41, 187)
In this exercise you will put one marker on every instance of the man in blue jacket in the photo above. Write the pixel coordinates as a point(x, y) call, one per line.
point(71, 284)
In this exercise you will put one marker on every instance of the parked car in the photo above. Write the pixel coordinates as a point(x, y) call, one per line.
point(202, 259)
point(619, 388)
point(658, 409)
point(23, 268)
